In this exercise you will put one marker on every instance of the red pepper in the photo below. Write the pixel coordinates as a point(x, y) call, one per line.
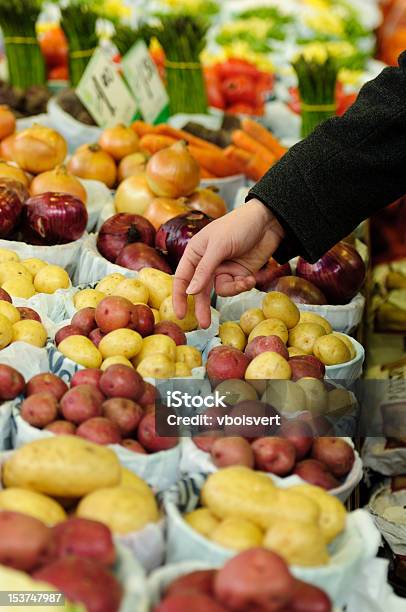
point(264, 86)
point(213, 87)
point(236, 67)
point(239, 88)
point(243, 108)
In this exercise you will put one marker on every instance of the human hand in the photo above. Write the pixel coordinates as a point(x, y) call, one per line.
point(225, 255)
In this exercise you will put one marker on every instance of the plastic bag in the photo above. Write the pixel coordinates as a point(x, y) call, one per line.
point(98, 197)
point(5, 425)
point(132, 577)
point(74, 132)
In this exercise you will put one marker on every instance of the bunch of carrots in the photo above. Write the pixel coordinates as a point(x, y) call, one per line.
point(252, 152)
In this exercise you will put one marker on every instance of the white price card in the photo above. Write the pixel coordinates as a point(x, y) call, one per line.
point(145, 83)
point(104, 93)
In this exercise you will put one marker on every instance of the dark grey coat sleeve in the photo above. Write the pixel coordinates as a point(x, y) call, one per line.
point(349, 168)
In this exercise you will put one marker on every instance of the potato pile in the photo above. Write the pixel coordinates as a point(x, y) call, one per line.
point(20, 324)
point(48, 478)
point(26, 278)
point(255, 579)
point(242, 509)
point(131, 322)
point(275, 341)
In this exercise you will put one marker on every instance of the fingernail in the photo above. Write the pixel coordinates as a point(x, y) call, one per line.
point(192, 288)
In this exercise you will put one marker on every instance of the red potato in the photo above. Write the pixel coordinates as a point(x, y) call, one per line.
point(335, 453)
point(308, 598)
point(24, 541)
point(113, 312)
point(256, 579)
point(84, 319)
point(218, 349)
point(227, 363)
point(65, 332)
point(83, 581)
point(305, 366)
point(168, 328)
point(122, 381)
point(133, 446)
point(263, 344)
point(200, 581)
point(28, 313)
point(125, 413)
point(82, 403)
point(48, 383)
point(205, 440)
point(274, 455)
point(83, 538)
point(40, 409)
point(100, 431)
point(90, 376)
point(255, 409)
point(61, 428)
point(12, 383)
point(300, 434)
point(96, 336)
point(142, 320)
point(192, 601)
point(150, 439)
point(5, 297)
point(232, 451)
point(316, 473)
point(149, 395)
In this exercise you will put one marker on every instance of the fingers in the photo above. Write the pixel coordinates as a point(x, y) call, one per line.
point(228, 285)
point(184, 274)
point(202, 307)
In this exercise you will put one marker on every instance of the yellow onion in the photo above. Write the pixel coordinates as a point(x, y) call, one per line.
point(91, 162)
point(58, 181)
point(208, 201)
point(38, 149)
point(119, 141)
point(133, 195)
point(172, 172)
point(132, 165)
point(14, 173)
point(7, 122)
point(6, 148)
point(162, 209)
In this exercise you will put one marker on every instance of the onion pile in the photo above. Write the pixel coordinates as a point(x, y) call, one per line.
point(119, 141)
point(91, 162)
point(173, 236)
point(7, 122)
point(58, 181)
point(132, 165)
point(54, 218)
point(39, 149)
point(173, 172)
point(133, 195)
point(208, 201)
point(161, 210)
point(12, 172)
point(269, 272)
point(11, 206)
point(298, 289)
point(123, 229)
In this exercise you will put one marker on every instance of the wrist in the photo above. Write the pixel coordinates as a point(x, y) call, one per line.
point(267, 218)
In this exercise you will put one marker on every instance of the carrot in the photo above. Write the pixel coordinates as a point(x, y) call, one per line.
point(253, 166)
point(244, 141)
point(168, 130)
point(264, 136)
point(141, 128)
point(205, 174)
point(151, 143)
point(212, 161)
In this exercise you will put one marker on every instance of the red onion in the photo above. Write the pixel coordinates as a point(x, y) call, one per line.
point(269, 272)
point(54, 218)
point(339, 274)
point(299, 290)
point(123, 229)
point(138, 255)
point(11, 205)
point(173, 236)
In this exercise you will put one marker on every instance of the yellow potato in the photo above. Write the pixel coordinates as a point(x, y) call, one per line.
point(237, 534)
point(294, 507)
point(6, 331)
point(270, 327)
point(87, 298)
point(285, 396)
point(157, 317)
point(348, 343)
point(9, 311)
point(189, 355)
point(316, 394)
point(182, 370)
point(14, 580)
point(133, 290)
point(166, 312)
point(156, 344)
point(299, 544)
point(13, 269)
point(277, 305)
point(250, 318)
point(231, 334)
point(121, 342)
point(122, 509)
point(333, 514)
point(114, 360)
point(32, 332)
point(340, 402)
point(50, 279)
point(159, 285)
point(156, 366)
point(32, 503)
point(294, 351)
point(312, 317)
point(7, 255)
point(19, 286)
point(62, 466)
point(304, 335)
point(331, 350)
point(129, 479)
point(109, 283)
point(268, 365)
point(236, 390)
point(34, 265)
point(81, 350)
point(202, 520)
